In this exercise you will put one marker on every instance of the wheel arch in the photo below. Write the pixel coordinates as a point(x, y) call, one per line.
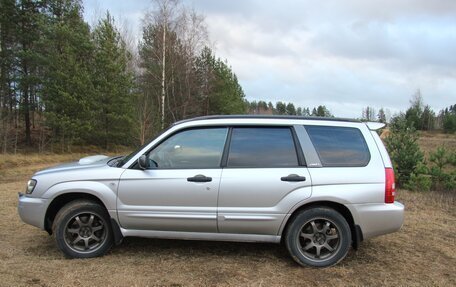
point(61, 200)
point(356, 231)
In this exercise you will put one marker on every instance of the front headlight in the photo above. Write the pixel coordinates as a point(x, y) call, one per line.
point(30, 186)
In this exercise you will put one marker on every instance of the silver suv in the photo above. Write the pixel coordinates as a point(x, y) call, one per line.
point(317, 185)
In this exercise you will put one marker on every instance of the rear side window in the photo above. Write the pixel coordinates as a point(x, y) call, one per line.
point(262, 147)
point(339, 146)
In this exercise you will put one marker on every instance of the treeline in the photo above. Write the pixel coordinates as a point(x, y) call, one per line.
point(419, 115)
point(282, 108)
point(63, 82)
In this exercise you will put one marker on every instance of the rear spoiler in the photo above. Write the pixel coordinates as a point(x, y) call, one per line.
point(373, 126)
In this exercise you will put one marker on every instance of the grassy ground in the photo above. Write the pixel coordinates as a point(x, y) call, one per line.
point(422, 253)
point(429, 141)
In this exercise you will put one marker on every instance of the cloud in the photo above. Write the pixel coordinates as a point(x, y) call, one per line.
point(344, 54)
point(347, 54)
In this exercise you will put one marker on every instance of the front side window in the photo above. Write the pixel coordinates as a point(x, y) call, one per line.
point(339, 146)
point(262, 147)
point(195, 148)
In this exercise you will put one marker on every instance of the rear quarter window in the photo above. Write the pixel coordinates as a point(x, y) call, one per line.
point(339, 146)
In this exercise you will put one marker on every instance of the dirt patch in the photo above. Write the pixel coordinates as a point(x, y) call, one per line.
point(422, 253)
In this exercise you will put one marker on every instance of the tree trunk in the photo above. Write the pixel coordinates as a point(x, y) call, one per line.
point(28, 138)
point(163, 74)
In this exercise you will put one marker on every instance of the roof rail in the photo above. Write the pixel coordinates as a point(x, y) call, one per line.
point(216, 117)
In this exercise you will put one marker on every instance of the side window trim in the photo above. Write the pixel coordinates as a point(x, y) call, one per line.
point(298, 148)
point(226, 148)
point(308, 149)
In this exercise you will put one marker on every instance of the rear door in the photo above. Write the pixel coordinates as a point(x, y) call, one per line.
point(264, 175)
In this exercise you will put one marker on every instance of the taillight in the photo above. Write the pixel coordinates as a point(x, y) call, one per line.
point(390, 186)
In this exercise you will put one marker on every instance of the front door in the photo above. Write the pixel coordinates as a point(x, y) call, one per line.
point(179, 191)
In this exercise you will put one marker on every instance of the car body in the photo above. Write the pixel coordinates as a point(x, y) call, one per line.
point(230, 178)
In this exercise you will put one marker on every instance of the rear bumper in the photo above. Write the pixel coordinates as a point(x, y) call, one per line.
point(378, 219)
point(32, 210)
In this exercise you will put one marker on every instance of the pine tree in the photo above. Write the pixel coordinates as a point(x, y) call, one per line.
point(8, 71)
point(381, 116)
point(29, 33)
point(222, 92)
point(68, 92)
point(290, 109)
point(281, 108)
point(111, 107)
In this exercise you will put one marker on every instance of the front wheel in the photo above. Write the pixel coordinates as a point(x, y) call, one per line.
point(82, 229)
point(318, 237)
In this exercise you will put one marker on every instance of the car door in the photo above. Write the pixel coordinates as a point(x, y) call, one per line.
point(263, 178)
point(179, 191)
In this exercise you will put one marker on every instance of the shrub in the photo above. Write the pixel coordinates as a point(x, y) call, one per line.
point(420, 180)
point(441, 179)
point(403, 149)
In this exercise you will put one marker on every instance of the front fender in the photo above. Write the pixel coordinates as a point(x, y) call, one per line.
point(106, 191)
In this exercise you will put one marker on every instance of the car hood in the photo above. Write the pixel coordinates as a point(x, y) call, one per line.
point(83, 163)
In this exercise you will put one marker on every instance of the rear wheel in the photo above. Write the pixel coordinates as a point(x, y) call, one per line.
point(82, 229)
point(318, 237)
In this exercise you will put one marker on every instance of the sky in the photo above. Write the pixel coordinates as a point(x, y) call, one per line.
point(343, 54)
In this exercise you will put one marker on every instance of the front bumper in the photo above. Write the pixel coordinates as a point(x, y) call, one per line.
point(378, 219)
point(32, 210)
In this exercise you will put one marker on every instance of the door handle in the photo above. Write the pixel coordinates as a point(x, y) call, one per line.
point(199, 178)
point(293, 177)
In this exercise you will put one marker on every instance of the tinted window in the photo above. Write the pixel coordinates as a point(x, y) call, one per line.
point(339, 146)
point(196, 148)
point(262, 147)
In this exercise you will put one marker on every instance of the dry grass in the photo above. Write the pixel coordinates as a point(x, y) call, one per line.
point(14, 167)
point(430, 141)
point(422, 253)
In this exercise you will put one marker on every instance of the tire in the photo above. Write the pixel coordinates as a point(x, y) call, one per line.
point(82, 229)
point(318, 237)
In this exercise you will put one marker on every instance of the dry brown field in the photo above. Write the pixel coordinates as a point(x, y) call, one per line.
point(423, 253)
point(429, 141)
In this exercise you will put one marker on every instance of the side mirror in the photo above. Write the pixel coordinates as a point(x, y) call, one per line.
point(143, 162)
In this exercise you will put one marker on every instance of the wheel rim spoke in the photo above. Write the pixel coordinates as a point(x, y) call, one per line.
point(90, 222)
point(96, 238)
point(78, 221)
point(308, 246)
point(96, 228)
point(318, 251)
point(307, 235)
point(314, 227)
point(73, 230)
point(330, 237)
point(79, 238)
point(326, 227)
point(329, 248)
point(86, 243)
